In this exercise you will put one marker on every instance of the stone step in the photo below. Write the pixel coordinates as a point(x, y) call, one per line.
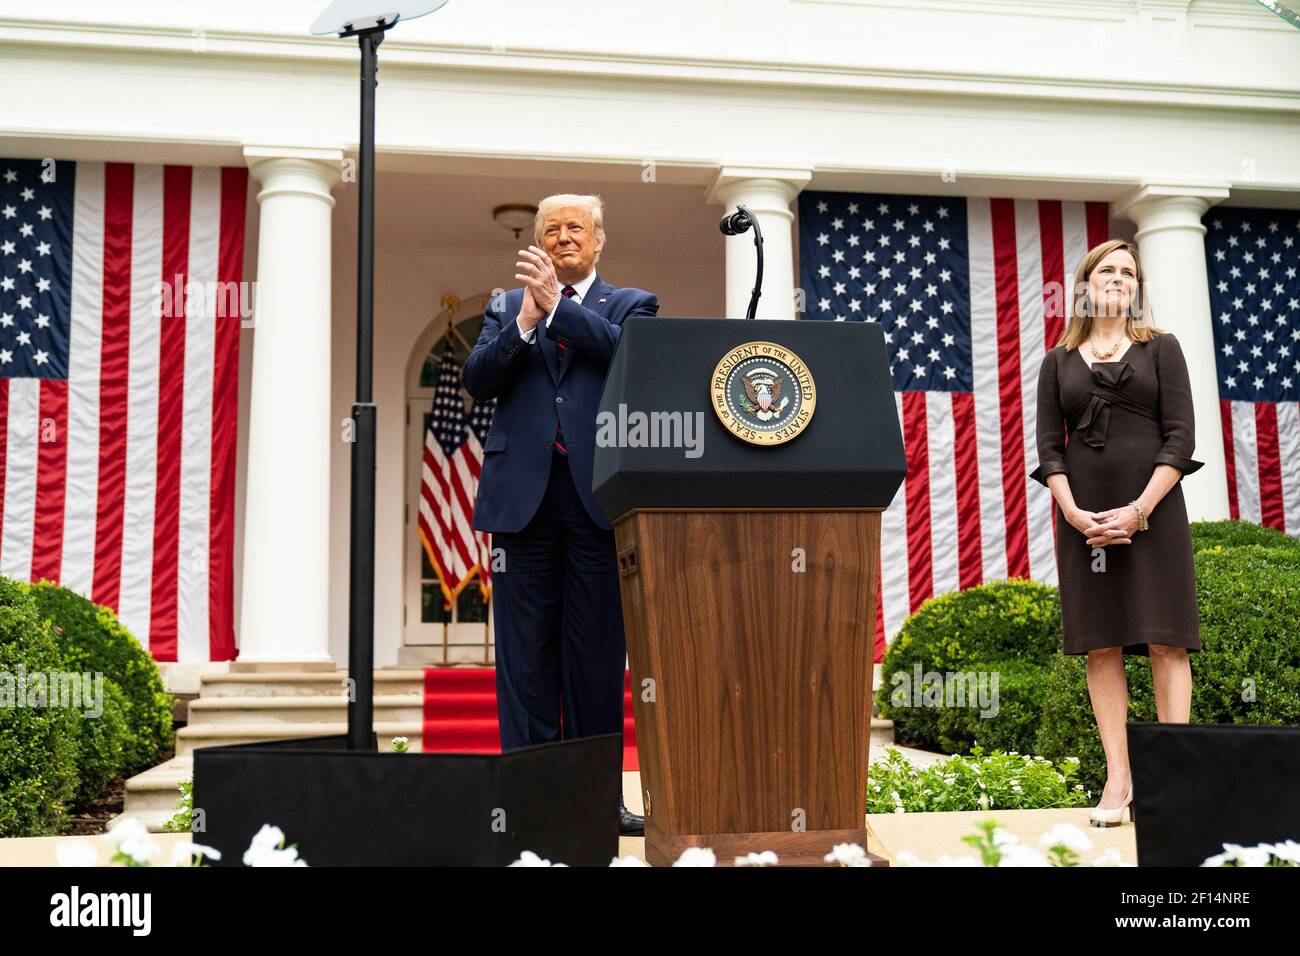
point(217, 735)
point(882, 732)
point(153, 794)
point(306, 683)
point(313, 708)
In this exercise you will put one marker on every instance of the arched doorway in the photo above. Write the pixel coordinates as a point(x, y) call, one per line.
point(433, 633)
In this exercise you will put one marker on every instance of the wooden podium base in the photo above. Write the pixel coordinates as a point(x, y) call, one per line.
point(750, 638)
point(808, 848)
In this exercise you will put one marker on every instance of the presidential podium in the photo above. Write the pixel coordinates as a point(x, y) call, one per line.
point(744, 466)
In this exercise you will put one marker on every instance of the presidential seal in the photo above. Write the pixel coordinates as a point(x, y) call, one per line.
point(763, 393)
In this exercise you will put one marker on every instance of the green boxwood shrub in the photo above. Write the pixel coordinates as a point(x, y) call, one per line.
point(102, 742)
point(1014, 724)
point(38, 745)
point(1011, 627)
point(93, 640)
point(1232, 534)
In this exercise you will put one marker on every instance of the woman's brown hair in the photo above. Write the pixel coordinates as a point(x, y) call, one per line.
point(1138, 326)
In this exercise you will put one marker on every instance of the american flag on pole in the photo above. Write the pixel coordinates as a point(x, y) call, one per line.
point(120, 315)
point(971, 293)
point(1252, 258)
point(453, 459)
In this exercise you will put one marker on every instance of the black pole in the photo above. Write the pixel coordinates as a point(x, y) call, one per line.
point(361, 580)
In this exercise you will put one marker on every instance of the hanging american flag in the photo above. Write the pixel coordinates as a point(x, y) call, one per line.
point(1252, 258)
point(120, 310)
point(971, 294)
point(449, 484)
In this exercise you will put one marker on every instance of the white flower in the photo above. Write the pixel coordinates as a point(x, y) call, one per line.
point(1242, 855)
point(628, 860)
point(1110, 857)
point(265, 849)
point(403, 740)
point(847, 854)
point(696, 856)
point(909, 859)
point(529, 858)
point(984, 801)
point(76, 853)
point(130, 837)
point(1067, 835)
point(267, 838)
point(766, 858)
point(183, 854)
point(900, 809)
point(1003, 837)
point(1016, 855)
point(288, 857)
point(1289, 851)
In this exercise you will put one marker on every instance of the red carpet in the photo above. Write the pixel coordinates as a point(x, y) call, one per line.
point(460, 713)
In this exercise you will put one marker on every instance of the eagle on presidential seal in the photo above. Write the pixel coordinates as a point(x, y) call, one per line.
point(763, 388)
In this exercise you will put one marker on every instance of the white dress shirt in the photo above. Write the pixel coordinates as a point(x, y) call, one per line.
point(579, 287)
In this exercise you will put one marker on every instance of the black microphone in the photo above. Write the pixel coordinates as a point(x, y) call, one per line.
point(736, 223)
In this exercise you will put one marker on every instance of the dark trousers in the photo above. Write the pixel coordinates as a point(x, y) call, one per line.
point(558, 622)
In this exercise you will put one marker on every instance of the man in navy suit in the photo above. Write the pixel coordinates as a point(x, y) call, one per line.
point(543, 354)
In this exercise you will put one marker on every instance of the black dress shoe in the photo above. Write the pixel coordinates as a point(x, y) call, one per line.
point(629, 823)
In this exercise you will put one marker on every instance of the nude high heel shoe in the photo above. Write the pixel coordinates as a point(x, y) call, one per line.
point(1113, 818)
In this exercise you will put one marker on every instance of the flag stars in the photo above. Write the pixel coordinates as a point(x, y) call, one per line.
point(28, 194)
point(11, 175)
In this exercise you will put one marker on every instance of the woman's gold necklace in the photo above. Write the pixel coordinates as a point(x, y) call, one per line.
point(1102, 356)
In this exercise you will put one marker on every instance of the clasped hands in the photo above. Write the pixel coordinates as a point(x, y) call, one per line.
point(1103, 528)
point(541, 286)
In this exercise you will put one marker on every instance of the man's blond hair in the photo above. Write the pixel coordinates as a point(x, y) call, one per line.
point(593, 204)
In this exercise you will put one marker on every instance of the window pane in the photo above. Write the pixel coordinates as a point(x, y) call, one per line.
point(431, 609)
point(470, 608)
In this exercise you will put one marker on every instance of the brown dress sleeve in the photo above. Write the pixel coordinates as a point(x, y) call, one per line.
point(1051, 422)
point(1177, 418)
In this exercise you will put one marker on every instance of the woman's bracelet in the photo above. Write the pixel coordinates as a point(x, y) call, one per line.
point(1142, 518)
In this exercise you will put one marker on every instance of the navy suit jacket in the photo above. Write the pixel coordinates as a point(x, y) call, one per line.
point(535, 392)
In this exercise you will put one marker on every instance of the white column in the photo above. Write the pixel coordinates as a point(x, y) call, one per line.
point(285, 591)
point(1171, 240)
point(767, 193)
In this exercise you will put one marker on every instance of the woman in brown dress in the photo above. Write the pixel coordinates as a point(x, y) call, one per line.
point(1120, 388)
